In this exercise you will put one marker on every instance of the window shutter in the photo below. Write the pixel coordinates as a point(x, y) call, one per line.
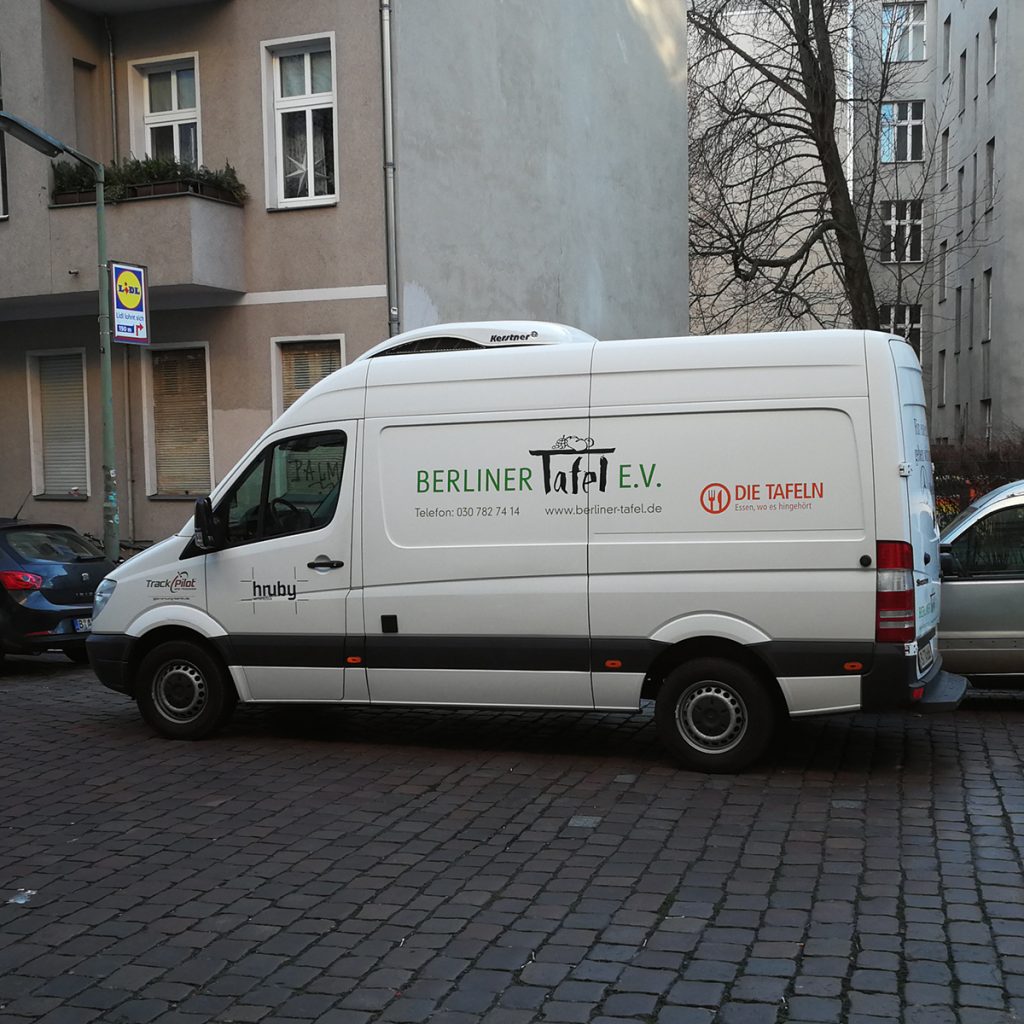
point(62, 401)
point(181, 424)
point(303, 363)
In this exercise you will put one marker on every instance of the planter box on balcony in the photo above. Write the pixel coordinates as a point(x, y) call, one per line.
point(72, 197)
point(149, 189)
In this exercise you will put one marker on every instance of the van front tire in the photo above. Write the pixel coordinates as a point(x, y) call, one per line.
point(183, 691)
point(715, 715)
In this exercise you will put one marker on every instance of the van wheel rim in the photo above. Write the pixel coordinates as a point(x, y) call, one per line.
point(180, 692)
point(711, 717)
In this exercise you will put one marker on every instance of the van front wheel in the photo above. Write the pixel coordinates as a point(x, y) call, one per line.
point(183, 692)
point(715, 715)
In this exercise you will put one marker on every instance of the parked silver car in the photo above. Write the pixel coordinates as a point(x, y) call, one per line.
point(982, 627)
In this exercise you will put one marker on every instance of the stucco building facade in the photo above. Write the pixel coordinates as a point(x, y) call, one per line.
point(419, 164)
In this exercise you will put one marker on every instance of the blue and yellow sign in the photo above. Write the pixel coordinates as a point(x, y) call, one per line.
point(130, 307)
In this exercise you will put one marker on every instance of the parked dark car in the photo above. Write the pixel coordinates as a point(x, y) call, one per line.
point(981, 632)
point(48, 576)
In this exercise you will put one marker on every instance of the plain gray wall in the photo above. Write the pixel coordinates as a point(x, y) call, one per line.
point(577, 215)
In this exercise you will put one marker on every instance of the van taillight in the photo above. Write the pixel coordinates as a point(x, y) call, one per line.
point(894, 602)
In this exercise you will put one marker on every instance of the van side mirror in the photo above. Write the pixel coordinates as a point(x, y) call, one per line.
point(209, 531)
point(949, 565)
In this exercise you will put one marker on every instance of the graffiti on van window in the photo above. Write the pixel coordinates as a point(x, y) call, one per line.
point(314, 473)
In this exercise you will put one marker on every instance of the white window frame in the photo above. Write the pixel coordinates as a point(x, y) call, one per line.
point(149, 422)
point(36, 426)
point(277, 362)
point(898, 123)
point(140, 120)
point(904, 226)
point(906, 327)
point(271, 50)
point(910, 19)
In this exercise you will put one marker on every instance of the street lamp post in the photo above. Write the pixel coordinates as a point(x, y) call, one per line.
point(51, 147)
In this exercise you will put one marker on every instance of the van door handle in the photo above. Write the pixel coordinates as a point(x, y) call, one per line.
point(323, 562)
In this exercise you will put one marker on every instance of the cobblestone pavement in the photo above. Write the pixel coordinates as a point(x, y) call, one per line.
point(349, 866)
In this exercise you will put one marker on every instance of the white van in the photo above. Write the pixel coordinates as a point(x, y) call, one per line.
point(517, 515)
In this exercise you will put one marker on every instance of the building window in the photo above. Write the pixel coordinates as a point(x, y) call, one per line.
point(903, 31)
point(901, 231)
point(3, 160)
point(977, 64)
point(58, 425)
point(960, 200)
point(300, 122)
point(993, 42)
point(178, 424)
point(904, 320)
point(986, 298)
point(943, 269)
point(301, 362)
point(947, 34)
point(962, 83)
point(990, 174)
point(166, 92)
point(902, 131)
point(986, 413)
point(974, 188)
point(945, 158)
point(940, 391)
point(970, 315)
point(958, 314)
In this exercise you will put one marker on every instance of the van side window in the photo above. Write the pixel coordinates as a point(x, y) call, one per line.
point(291, 487)
point(995, 544)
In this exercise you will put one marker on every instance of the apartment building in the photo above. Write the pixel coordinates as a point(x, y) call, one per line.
point(405, 164)
point(951, 211)
point(977, 364)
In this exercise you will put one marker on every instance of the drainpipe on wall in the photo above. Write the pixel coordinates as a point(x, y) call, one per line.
point(394, 321)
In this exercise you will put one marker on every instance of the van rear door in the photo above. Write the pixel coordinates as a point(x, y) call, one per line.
point(917, 472)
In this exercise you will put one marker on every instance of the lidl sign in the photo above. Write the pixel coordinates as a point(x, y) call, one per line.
point(130, 306)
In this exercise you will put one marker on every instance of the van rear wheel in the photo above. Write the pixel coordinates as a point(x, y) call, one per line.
point(183, 692)
point(715, 715)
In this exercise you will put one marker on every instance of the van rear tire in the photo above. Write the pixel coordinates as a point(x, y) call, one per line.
point(715, 715)
point(183, 691)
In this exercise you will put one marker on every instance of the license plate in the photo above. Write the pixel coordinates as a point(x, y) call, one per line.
point(925, 656)
point(82, 625)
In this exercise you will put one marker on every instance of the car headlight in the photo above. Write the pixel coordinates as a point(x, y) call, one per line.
point(103, 594)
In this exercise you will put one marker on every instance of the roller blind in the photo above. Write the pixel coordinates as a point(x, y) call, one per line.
point(181, 423)
point(303, 363)
point(62, 404)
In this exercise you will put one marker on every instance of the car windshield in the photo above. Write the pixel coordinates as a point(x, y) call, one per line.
point(963, 517)
point(45, 544)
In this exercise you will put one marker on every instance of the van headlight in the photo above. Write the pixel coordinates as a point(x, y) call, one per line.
point(103, 594)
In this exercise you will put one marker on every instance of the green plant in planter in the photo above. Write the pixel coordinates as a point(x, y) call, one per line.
point(121, 176)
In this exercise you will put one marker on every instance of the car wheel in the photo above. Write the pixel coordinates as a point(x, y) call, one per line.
point(77, 654)
point(183, 691)
point(715, 715)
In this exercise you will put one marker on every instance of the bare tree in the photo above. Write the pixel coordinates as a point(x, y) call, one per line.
point(808, 181)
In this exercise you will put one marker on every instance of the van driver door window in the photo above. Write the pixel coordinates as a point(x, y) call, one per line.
point(279, 585)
